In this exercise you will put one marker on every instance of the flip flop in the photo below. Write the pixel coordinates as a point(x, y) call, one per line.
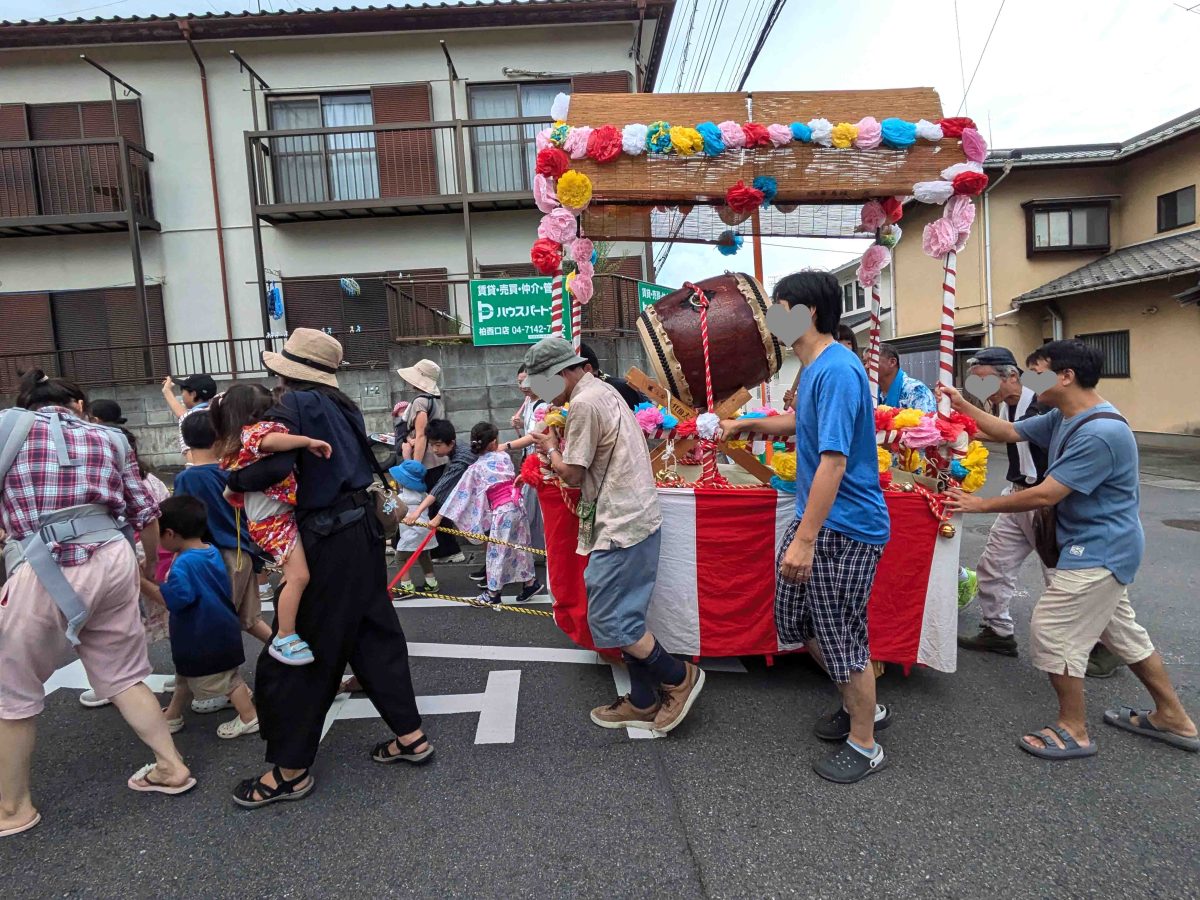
point(140, 781)
point(31, 824)
point(1070, 749)
point(1123, 718)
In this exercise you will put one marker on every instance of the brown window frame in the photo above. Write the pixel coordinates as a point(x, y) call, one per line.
point(1034, 207)
point(1158, 208)
point(327, 152)
point(479, 148)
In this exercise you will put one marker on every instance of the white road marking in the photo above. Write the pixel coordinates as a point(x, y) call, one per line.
point(621, 680)
point(419, 602)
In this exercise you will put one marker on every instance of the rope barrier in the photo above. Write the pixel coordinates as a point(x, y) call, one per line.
point(476, 536)
point(471, 601)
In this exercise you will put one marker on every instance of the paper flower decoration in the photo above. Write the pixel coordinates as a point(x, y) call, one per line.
point(633, 139)
point(714, 142)
point(649, 417)
point(873, 262)
point(582, 288)
point(890, 235)
point(558, 133)
point(893, 208)
point(939, 238)
point(558, 225)
point(686, 428)
point(543, 194)
point(555, 418)
point(974, 146)
point(552, 162)
point(801, 132)
point(843, 135)
point(542, 141)
point(954, 126)
point(952, 172)
point(929, 131)
point(732, 134)
point(604, 144)
point(582, 250)
point(669, 422)
point(898, 134)
point(885, 459)
point(769, 188)
point(729, 242)
point(575, 146)
point(933, 191)
point(958, 471)
point(784, 464)
point(780, 135)
point(822, 132)
point(969, 183)
point(907, 418)
point(658, 138)
point(741, 199)
point(923, 434)
point(708, 426)
point(686, 141)
point(560, 106)
point(960, 210)
point(574, 190)
point(870, 133)
point(546, 256)
point(872, 217)
point(756, 134)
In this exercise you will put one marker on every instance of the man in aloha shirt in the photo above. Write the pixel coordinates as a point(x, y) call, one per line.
point(897, 388)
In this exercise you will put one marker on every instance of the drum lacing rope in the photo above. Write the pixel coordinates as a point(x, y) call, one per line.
point(708, 448)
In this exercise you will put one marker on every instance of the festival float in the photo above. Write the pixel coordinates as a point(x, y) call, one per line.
point(825, 164)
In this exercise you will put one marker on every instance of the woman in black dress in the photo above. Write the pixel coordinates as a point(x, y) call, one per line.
point(346, 614)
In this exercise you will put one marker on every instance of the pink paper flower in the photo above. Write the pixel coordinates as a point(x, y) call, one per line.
point(542, 141)
point(543, 194)
point(974, 146)
point(581, 251)
point(939, 238)
point(577, 141)
point(649, 419)
point(873, 262)
point(558, 225)
point(581, 287)
point(873, 217)
point(870, 134)
point(926, 434)
point(781, 135)
point(961, 212)
point(732, 134)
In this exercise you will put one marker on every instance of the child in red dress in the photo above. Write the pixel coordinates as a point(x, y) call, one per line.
point(244, 437)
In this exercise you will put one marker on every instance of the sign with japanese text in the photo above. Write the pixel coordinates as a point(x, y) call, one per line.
point(649, 294)
point(512, 311)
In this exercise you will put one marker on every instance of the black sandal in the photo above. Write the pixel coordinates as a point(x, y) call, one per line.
point(408, 752)
point(243, 794)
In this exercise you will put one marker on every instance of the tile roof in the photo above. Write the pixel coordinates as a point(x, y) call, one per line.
point(1091, 153)
point(1160, 258)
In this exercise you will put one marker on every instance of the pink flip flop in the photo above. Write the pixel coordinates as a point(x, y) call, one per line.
point(31, 824)
point(140, 781)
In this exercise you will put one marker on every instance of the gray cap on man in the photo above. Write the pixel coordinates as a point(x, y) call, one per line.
point(551, 355)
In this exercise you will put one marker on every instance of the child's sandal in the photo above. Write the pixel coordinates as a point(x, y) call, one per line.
point(291, 651)
point(408, 752)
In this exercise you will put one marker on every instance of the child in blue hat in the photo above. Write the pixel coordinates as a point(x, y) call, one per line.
point(410, 477)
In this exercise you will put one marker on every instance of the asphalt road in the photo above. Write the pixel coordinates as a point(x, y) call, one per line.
point(726, 806)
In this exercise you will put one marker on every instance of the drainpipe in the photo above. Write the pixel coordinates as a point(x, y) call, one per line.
point(1056, 321)
point(987, 250)
point(216, 191)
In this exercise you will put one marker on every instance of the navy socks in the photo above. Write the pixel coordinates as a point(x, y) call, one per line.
point(643, 692)
point(665, 668)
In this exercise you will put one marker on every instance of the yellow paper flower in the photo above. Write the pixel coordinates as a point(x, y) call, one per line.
point(555, 419)
point(910, 460)
point(907, 418)
point(784, 464)
point(737, 445)
point(844, 134)
point(974, 481)
point(885, 459)
point(686, 141)
point(977, 456)
point(574, 189)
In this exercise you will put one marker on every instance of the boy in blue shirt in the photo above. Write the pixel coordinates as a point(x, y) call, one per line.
point(1092, 482)
point(206, 637)
point(828, 556)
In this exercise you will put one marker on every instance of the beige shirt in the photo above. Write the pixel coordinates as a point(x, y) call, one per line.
point(604, 437)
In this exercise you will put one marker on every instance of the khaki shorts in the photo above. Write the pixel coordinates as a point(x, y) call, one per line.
point(245, 588)
point(1080, 607)
point(208, 687)
point(33, 641)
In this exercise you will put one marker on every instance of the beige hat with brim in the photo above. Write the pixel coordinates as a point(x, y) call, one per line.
point(308, 355)
point(424, 376)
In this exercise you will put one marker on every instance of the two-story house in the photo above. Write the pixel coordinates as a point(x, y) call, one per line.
point(1095, 241)
point(164, 181)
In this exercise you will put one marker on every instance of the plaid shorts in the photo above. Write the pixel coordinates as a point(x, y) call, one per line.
point(832, 605)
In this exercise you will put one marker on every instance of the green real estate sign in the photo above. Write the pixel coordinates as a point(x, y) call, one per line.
point(649, 294)
point(512, 311)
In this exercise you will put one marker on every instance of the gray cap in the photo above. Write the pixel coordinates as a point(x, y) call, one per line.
point(551, 355)
point(994, 356)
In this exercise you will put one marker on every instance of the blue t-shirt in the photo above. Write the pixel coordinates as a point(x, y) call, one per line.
point(834, 412)
point(206, 636)
point(1098, 524)
point(207, 482)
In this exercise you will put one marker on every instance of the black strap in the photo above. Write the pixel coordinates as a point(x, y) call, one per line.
point(1103, 414)
point(365, 444)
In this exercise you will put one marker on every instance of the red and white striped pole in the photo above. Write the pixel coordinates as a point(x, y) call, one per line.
point(946, 347)
point(873, 346)
point(576, 323)
point(556, 304)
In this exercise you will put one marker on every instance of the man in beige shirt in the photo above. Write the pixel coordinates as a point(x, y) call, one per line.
point(604, 454)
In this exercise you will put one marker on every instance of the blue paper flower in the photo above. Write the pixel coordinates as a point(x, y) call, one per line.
point(801, 132)
point(753, 414)
point(558, 134)
point(658, 138)
point(669, 421)
point(729, 242)
point(714, 144)
point(645, 404)
point(595, 256)
point(769, 188)
point(787, 487)
point(897, 133)
point(958, 471)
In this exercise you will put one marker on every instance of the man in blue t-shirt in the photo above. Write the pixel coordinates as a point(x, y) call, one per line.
point(828, 556)
point(1092, 482)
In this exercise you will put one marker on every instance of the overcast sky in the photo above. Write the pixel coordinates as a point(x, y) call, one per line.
point(1055, 71)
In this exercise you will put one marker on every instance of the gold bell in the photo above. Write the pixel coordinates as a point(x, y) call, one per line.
point(947, 530)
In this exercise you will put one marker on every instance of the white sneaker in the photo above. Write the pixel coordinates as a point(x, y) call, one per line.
point(216, 704)
point(236, 728)
point(91, 700)
point(456, 558)
point(266, 591)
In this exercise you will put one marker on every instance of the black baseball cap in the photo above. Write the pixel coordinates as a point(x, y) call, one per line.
point(107, 412)
point(994, 356)
point(203, 386)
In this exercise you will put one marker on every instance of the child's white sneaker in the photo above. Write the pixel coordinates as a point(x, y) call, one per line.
point(431, 583)
point(408, 587)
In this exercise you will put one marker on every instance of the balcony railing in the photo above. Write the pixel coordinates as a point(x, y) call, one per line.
point(355, 171)
point(74, 187)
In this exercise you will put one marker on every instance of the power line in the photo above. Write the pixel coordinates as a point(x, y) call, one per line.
point(741, 36)
point(701, 43)
point(981, 52)
point(687, 45)
point(72, 12)
point(962, 72)
point(671, 50)
point(709, 43)
point(772, 18)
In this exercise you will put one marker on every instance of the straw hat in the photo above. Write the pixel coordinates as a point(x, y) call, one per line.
point(424, 376)
point(308, 355)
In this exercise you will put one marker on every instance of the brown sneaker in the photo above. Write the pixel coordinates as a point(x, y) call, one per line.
point(622, 713)
point(678, 699)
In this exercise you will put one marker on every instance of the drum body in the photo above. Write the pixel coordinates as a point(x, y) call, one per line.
point(742, 350)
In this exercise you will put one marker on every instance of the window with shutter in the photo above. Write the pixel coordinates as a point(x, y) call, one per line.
point(615, 304)
point(510, 270)
point(422, 304)
point(360, 323)
point(602, 83)
point(27, 329)
point(18, 192)
point(103, 334)
point(407, 159)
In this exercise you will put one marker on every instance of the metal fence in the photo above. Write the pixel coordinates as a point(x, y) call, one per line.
point(75, 177)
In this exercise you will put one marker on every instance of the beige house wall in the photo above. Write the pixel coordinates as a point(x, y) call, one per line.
point(1144, 177)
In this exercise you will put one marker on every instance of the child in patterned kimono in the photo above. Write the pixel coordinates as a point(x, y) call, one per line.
point(244, 437)
point(487, 500)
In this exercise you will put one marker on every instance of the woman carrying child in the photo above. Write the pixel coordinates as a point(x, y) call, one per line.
point(243, 438)
point(410, 476)
point(487, 500)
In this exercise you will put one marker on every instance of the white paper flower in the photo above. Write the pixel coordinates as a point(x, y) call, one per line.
point(958, 168)
point(929, 131)
point(822, 132)
point(560, 107)
point(933, 191)
point(708, 426)
point(633, 139)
